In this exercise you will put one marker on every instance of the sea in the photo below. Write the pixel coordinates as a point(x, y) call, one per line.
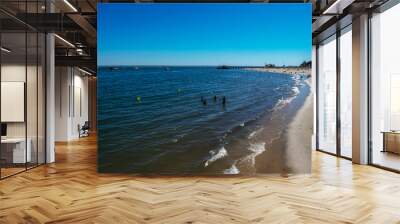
point(169, 120)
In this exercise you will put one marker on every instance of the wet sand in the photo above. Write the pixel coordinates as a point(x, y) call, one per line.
point(298, 146)
point(291, 152)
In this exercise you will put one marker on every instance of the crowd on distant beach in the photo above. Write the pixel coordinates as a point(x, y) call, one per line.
point(285, 70)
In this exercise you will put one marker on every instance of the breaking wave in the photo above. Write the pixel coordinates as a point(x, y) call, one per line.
point(216, 155)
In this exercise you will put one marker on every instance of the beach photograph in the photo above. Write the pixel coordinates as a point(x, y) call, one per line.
point(210, 89)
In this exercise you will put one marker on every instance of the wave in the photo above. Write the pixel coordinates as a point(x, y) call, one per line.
point(232, 170)
point(254, 133)
point(216, 155)
point(297, 79)
point(283, 102)
point(256, 149)
point(174, 140)
point(296, 90)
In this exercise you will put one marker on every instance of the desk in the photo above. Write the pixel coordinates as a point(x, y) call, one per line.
point(391, 141)
point(14, 150)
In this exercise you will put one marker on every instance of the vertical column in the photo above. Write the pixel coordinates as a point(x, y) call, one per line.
point(360, 89)
point(314, 94)
point(50, 99)
point(50, 92)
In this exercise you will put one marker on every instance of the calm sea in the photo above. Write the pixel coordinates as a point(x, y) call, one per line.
point(152, 120)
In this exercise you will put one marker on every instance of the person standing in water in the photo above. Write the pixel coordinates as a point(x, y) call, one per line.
point(223, 101)
point(204, 101)
point(215, 98)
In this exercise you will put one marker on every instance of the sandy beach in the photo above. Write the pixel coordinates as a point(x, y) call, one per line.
point(299, 137)
point(285, 70)
point(291, 152)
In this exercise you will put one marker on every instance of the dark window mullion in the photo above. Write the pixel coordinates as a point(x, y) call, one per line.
point(317, 97)
point(338, 81)
point(37, 90)
point(26, 86)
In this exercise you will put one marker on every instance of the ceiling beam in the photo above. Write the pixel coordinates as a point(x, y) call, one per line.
point(81, 61)
point(86, 26)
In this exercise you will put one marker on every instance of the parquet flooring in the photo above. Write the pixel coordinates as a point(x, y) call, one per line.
point(71, 191)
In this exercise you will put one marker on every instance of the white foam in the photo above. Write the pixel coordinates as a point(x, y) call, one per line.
point(232, 170)
point(174, 140)
point(283, 102)
point(252, 134)
point(242, 124)
point(256, 150)
point(296, 90)
point(221, 153)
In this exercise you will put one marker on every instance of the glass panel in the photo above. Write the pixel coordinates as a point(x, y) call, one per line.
point(23, 90)
point(346, 92)
point(13, 88)
point(31, 97)
point(385, 84)
point(32, 87)
point(327, 95)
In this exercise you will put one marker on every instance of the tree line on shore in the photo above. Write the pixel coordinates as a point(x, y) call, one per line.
point(304, 64)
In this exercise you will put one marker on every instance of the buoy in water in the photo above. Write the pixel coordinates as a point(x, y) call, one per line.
point(138, 99)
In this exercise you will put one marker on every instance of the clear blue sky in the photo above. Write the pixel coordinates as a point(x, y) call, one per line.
point(203, 34)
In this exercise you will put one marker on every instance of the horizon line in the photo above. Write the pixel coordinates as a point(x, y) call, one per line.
point(203, 65)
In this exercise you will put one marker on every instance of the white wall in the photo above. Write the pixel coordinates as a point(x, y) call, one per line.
point(33, 127)
point(62, 83)
point(71, 86)
point(17, 73)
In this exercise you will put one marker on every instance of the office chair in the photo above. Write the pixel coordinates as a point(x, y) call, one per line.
point(84, 130)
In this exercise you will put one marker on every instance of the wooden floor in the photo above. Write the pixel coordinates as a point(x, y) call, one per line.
point(70, 191)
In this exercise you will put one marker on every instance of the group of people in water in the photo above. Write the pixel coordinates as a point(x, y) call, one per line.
point(203, 100)
point(215, 98)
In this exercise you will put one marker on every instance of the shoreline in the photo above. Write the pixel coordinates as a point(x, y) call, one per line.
point(298, 137)
point(290, 153)
point(284, 70)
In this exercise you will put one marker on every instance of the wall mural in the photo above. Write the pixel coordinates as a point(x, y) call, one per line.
point(204, 89)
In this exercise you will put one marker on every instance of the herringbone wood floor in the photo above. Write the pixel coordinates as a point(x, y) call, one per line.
point(70, 191)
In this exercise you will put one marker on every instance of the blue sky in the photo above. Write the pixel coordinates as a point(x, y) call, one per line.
point(203, 34)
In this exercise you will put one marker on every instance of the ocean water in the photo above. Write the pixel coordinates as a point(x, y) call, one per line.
point(151, 120)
